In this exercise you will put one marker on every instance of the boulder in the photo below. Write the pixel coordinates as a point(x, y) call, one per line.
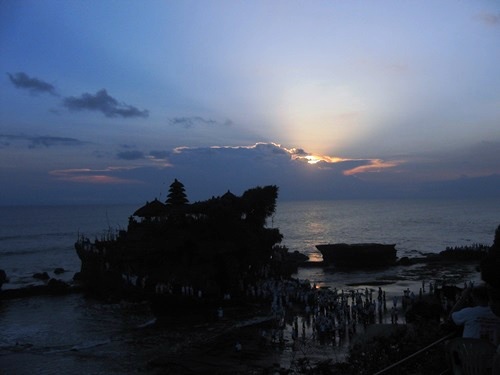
point(3, 278)
point(404, 261)
point(41, 276)
point(427, 311)
point(59, 270)
point(56, 285)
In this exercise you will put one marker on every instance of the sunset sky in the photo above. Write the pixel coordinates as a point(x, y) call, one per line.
point(109, 101)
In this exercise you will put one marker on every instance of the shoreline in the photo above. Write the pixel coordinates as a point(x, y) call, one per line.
point(56, 285)
point(205, 347)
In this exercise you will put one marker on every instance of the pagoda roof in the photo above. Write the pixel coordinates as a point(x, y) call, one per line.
point(151, 209)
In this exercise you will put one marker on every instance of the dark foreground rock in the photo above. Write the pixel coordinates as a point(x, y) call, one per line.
point(3, 278)
point(226, 347)
point(41, 276)
point(53, 287)
point(59, 270)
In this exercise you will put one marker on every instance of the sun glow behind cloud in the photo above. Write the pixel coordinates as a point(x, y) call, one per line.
point(374, 166)
point(357, 93)
point(314, 159)
point(300, 155)
point(319, 114)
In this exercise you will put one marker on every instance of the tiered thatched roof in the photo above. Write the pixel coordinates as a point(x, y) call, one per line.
point(151, 209)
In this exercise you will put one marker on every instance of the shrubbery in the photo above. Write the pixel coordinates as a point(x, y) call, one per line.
point(378, 353)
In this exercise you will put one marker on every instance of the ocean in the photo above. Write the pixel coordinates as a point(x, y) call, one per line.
point(73, 334)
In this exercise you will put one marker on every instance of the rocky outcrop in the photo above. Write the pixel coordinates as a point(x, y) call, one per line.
point(3, 278)
point(53, 287)
point(425, 310)
point(214, 245)
point(59, 270)
point(41, 276)
point(457, 254)
point(56, 286)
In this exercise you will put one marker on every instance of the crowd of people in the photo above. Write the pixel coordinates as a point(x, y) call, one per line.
point(302, 310)
point(477, 312)
point(305, 311)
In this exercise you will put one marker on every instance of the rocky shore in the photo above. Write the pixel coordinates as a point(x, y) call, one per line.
point(53, 287)
point(235, 344)
point(43, 285)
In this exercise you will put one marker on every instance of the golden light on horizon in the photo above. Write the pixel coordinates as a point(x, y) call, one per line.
point(314, 159)
point(93, 176)
point(311, 159)
point(376, 165)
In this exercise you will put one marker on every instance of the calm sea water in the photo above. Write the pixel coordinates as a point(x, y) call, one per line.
point(39, 239)
point(414, 226)
point(39, 335)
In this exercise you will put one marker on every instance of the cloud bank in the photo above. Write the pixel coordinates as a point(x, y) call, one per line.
point(489, 19)
point(135, 174)
point(35, 85)
point(101, 101)
point(105, 176)
point(104, 103)
point(7, 140)
point(130, 155)
point(188, 122)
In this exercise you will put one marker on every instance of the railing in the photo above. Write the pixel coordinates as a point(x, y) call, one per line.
point(394, 365)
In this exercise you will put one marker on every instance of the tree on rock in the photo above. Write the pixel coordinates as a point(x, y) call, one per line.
point(176, 194)
point(259, 203)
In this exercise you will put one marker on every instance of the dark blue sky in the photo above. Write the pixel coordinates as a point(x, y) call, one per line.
point(110, 101)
